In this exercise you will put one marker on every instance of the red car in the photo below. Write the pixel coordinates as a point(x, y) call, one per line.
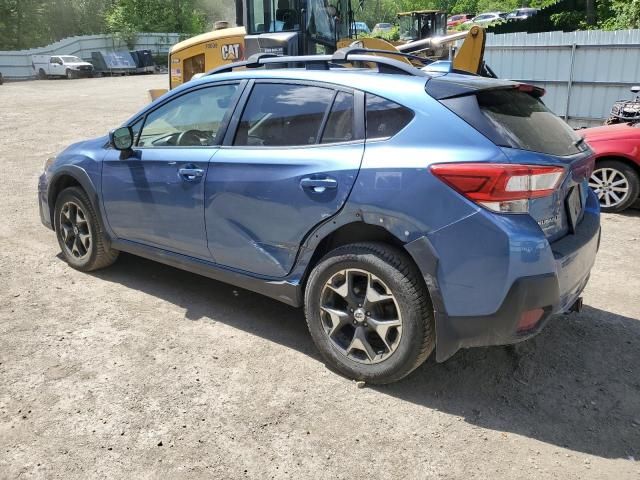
point(616, 178)
point(456, 20)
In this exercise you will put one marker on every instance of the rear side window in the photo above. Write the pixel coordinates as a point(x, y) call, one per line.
point(339, 126)
point(385, 118)
point(517, 119)
point(283, 115)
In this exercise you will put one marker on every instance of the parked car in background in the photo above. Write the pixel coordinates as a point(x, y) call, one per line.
point(322, 187)
point(458, 19)
point(360, 28)
point(68, 66)
point(615, 179)
point(486, 19)
point(522, 13)
point(382, 28)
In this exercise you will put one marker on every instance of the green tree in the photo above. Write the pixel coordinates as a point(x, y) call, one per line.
point(180, 16)
point(626, 14)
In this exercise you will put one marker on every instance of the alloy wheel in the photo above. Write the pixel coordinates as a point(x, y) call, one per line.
point(74, 231)
point(360, 316)
point(610, 185)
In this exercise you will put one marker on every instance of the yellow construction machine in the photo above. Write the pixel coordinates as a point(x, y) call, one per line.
point(203, 52)
point(308, 27)
point(421, 24)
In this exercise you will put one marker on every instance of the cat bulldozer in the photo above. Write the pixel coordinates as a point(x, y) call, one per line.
point(302, 27)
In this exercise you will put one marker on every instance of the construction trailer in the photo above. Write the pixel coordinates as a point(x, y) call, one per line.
point(113, 62)
point(143, 60)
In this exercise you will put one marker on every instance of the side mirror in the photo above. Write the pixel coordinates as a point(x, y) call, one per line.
point(121, 138)
point(635, 89)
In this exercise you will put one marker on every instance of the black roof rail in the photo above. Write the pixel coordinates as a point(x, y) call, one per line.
point(339, 58)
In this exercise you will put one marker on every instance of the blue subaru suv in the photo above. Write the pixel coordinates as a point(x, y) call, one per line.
point(408, 212)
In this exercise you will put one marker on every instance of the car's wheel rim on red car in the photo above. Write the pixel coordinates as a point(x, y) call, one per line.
point(610, 185)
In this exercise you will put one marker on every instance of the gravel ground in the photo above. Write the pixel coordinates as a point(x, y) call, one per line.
point(145, 371)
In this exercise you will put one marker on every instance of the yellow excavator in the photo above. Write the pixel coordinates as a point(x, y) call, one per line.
point(306, 27)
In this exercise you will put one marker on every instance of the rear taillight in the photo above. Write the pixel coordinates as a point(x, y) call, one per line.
point(502, 188)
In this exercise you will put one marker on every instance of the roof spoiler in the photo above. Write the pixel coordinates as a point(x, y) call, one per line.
point(447, 86)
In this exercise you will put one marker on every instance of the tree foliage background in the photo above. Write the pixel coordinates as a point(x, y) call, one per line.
point(33, 23)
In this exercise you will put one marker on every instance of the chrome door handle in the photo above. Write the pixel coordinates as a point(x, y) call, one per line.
point(318, 185)
point(190, 174)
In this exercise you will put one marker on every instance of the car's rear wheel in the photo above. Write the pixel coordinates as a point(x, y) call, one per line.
point(78, 232)
point(369, 313)
point(42, 75)
point(616, 184)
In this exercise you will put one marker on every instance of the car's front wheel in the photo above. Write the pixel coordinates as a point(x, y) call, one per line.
point(78, 232)
point(616, 184)
point(369, 313)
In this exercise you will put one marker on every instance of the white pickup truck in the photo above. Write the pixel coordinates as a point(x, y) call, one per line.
point(69, 66)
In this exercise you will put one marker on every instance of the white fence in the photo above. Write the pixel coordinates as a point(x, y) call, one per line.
point(583, 72)
point(17, 64)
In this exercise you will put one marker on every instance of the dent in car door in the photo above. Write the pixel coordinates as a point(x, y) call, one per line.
point(262, 200)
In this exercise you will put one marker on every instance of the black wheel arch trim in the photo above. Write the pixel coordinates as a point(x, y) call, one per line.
point(80, 176)
point(420, 250)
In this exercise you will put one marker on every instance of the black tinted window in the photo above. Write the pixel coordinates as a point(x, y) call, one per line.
point(385, 118)
point(283, 115)
point(339, 126)
point(523, 121)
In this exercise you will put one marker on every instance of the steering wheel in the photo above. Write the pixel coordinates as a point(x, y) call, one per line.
point(190, 138)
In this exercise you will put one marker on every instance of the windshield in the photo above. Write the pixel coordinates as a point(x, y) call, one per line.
point(70, 59)
point(328, 20)
point(273, 16)
point(408, 27)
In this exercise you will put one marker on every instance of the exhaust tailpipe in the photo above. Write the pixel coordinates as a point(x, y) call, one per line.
point(576, 307)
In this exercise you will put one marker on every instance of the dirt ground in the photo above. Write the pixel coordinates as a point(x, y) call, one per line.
point(145, 371)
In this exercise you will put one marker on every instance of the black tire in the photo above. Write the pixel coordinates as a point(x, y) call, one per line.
point(629, 174)
point(42, 75)
point(404, 281)
point(69, 74)
point(98, 254)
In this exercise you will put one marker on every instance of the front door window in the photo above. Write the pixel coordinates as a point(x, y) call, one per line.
point(191, 120)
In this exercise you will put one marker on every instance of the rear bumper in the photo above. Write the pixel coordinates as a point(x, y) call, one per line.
point(500, 328)
point(559, 273)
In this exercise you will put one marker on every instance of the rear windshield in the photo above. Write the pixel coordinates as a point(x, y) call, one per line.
point(517, 119)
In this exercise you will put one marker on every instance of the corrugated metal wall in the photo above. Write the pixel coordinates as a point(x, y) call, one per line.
point(17, 64)
point(583, 72)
